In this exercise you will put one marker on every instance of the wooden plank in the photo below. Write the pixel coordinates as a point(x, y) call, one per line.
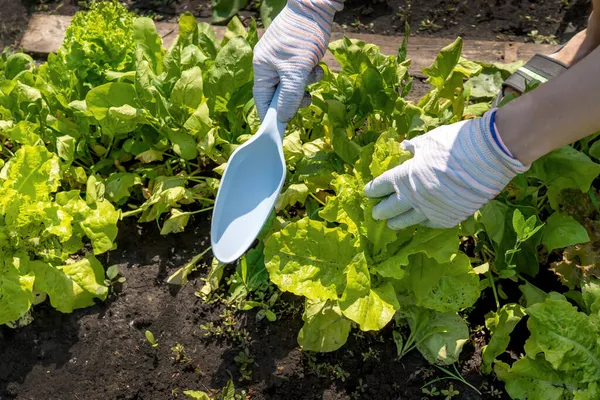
point(46, 33)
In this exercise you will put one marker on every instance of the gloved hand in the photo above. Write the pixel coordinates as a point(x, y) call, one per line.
point(289, 52)
point(455, 170)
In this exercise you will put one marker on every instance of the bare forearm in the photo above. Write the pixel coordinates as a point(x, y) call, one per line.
point(555, 114)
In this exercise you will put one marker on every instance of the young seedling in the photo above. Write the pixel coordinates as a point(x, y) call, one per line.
point(433, 391)
point(151, 340)
point(454, 376)
point(244, 362)
point(450, 392)
point(179, 353)
point(112, 276)
point(525, 230)
point(362, 387)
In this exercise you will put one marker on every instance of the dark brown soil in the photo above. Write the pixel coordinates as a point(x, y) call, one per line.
point(102, 353)
point(471, 19)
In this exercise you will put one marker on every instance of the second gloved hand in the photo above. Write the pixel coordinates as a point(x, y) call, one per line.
point(455, 170)
point(289, 52)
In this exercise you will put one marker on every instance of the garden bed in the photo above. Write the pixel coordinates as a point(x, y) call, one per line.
point(103, 352)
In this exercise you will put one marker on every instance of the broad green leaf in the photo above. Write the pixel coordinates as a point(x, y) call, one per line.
point(113, 95)
point(591, 297)
point(118, 186)
point(168, 191)
point(176, 222)
point(184, 144)
point(112, 272)
point(65, 148)
point(213, 279)
point(199, 122)
point(591, 392)
point(188, 29)
point(566, 337)
point(354, 55)
point(23, 132)
point(444, 287)
point(531, 294)
point(292, 148)
point(269, 10)
point(34, 172)
point(565, 168)
point(518, 223)
point(344, 147)
point(149, 156)
point(17, 63)
point(531, 379)
point(388, 154)
point(293, 194)
point(192, 56)
point(26, 93)
point(147, 39)
point(207, 39)
point(231, 70)
point(235, 28)
point(72, 203)
point(561, 231)
point(486, 85)
point(120, 76)
point(196, 395)
point(325, 328)
point(468, 68)
point(439, 244)
point(345, 207)
point(372, 308)
point(100, 226)
point(493, 217)
point(377, 233)
point(144, 81)
point(445, 345)
point(16, 291)
point(94, 190)
point(223, 10)
point(71, 286)
point(476, 110)
point(309, 259)
point(188, 89)
point(500, 324)
point(56, 221)
point(444, 64)
point(594, 150)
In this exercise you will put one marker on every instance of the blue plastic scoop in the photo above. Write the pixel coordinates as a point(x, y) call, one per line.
point(252, 181)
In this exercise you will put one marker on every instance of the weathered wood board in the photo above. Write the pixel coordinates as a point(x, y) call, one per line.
point(46, 33)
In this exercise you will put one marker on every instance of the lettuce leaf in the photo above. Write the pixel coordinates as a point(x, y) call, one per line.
point(309, 259)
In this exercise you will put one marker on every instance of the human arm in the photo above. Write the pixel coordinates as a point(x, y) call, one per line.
point(458, 168)
point(555, 114)
point(289, 53)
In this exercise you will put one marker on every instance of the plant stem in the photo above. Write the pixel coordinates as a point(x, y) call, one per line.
point(204, 199)
point(492, 282)
point(317, 199)
point(456, 376)
point(199, 211)
point(132, 213)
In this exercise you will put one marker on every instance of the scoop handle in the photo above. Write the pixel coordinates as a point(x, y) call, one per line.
point(271, 122)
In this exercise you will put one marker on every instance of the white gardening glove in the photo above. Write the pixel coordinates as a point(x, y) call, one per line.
point(289, 52)
point(454, 171)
